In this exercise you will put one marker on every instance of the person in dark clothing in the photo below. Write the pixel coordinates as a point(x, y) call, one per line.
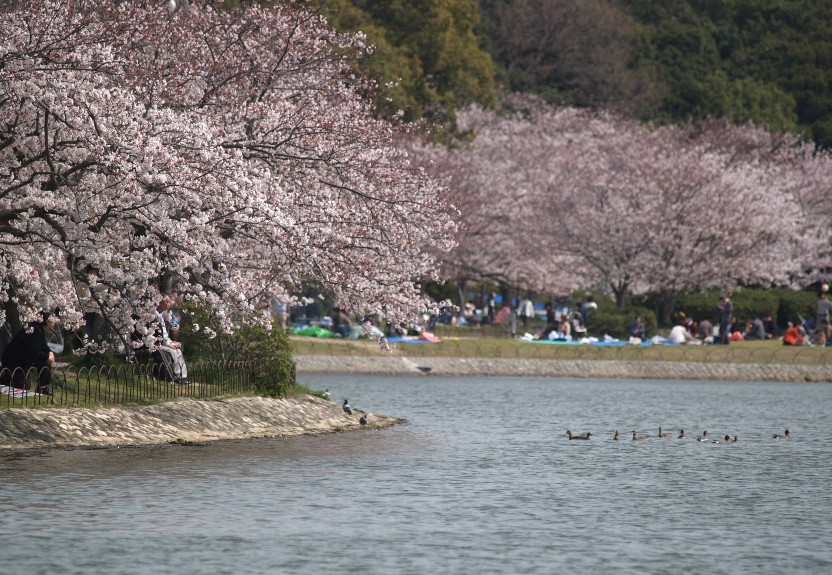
point(636, 329)
point(725, 311)
point(770, 326)
point(29, 351)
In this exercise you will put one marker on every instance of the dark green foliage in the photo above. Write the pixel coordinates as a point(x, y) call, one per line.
point(699, 306)
point(428, 57)
point(793, 304)
point(614, 321)
point(272, 349)
point(784, 305)
point(761, 60)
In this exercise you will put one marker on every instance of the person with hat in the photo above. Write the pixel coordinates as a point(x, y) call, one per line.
point(28, 350)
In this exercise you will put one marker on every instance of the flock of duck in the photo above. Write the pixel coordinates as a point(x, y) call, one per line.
point(682, 435)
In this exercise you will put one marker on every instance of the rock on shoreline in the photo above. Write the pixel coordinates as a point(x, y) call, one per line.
point(181, 421)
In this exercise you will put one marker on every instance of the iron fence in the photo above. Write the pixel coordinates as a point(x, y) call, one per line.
point(112, 385)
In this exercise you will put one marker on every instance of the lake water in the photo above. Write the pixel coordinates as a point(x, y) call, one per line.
point(481, 479)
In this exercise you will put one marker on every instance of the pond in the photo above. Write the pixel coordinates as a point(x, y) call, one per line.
point(481, 478)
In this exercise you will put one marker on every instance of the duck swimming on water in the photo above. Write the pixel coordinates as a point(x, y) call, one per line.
point(682, 434)
point(704, 436)
point(664, 434)
point(639, 437)
point(786, 435)
point(583, 436)
point(725, 440)
point(617, 436)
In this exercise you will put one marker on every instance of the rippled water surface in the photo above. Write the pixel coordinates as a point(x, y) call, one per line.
point(481, 479)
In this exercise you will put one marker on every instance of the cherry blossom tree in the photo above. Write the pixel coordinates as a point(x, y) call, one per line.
point(591, 198)
point(494, 180)
point(230, 153)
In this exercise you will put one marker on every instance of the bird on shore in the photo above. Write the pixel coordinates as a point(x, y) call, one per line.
point(786, 435)
point(617, 436)
point(583, 436)
point(682, 434)
point(327, 395)
point(363, 419)
point(639, 437)
point(346, 407)
point(704, 436)
point(664, 434)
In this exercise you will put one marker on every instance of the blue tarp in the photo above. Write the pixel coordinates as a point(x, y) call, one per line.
point(597, 343)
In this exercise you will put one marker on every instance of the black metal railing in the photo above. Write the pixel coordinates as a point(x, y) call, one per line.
point(123, 384)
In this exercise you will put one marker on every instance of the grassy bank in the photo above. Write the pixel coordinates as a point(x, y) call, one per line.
point(759, 352)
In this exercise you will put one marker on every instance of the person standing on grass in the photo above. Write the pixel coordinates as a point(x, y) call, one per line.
point(725, 311)
point(822, 314)
point(526, 312)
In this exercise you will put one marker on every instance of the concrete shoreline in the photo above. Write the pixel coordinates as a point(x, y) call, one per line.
point(191, 421)
point(182, 421)
point(399, 365)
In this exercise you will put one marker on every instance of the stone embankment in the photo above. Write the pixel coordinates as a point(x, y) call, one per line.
point(397, 365)
point(182, 421)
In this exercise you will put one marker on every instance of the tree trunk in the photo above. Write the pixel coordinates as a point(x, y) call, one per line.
point(460, 286)
point(668, 300)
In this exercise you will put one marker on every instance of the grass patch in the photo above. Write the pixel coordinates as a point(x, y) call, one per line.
point(758, 352)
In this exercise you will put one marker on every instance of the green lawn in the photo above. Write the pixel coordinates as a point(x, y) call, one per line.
point(468, 345)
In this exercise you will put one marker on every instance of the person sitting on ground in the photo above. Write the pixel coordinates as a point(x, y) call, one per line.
point(172, 349)
point(679, 334)
point(551, 322)
point(755, 330)
point(823, 337)
point(770, 326)
point(565, 331)
point(705, 329)
point(28, 350)
point(793, 336)
point(636, 329)
point(688, 323)
point(341, 322)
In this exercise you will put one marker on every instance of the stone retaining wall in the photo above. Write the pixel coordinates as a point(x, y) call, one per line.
point(181, 421)
point(564, 368)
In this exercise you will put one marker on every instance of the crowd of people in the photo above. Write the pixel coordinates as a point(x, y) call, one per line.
point(756, 327)
point(30, 349)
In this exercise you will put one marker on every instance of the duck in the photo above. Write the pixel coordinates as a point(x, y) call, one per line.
point(725, 440)
point(682, 434)
point(346, 407)
point(664, 434)
point(639, 437)
point(584, 436)
point(363, 419)
point(327, 395)
point(786, 435)
point(736, 439)
point(704, 436)
point(617, 436)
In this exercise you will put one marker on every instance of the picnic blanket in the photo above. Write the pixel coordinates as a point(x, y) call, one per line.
point(15, 392)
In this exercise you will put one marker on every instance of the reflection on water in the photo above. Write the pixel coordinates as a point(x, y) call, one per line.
point(480, 479)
